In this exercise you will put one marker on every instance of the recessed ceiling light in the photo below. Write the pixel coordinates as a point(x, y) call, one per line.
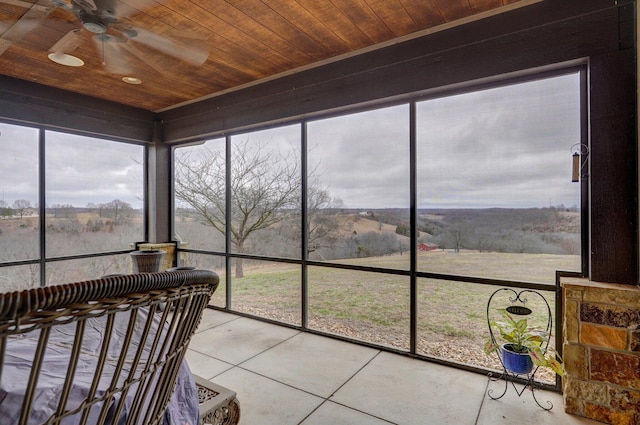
point(132, 80)
point(66, 60)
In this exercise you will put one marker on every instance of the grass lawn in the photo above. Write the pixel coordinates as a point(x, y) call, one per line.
point(375, 307)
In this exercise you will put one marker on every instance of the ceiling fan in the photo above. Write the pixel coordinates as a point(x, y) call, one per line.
point(107, 23)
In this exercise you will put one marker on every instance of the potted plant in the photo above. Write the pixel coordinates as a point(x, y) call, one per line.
point(523, 347)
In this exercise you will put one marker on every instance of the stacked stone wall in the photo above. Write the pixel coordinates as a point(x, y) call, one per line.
point(601, 351)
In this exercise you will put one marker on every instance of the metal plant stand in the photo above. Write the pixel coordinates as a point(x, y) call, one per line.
point(519, 303)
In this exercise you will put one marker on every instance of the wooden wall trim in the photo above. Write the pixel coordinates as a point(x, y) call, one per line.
point(613, 175)
point(35, 104)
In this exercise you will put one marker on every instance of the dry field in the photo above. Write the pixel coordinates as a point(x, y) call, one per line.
point(374, 307)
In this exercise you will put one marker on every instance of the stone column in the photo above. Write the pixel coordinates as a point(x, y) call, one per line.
point(601, 350)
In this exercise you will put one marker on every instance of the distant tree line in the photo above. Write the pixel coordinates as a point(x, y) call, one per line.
point(532, 230)
point(117, 210)
point(264, 216)
point(103, 217)
point(20, 207)
point(108, 214)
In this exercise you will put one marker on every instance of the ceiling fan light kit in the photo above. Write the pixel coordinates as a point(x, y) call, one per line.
point(95, 27)
point(132, 80)
point(111, 30)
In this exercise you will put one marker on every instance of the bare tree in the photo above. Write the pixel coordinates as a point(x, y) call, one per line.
point(482, 239)
point(92, 208)
point(265, 187)
point(64, 211)
point(322, 224)
point(569, 245)
point(457, 234)
point(118, 210)
point(21, 206)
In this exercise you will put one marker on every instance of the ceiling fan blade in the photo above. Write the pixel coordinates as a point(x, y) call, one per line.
point(129, 8)
point(87, 4)
point(68, 43)
point(19, 3)
point(114, 58)
point(26, 23)
point(189, 53)
point(148, 59)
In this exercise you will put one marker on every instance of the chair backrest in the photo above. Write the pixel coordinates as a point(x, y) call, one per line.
point(101, 351)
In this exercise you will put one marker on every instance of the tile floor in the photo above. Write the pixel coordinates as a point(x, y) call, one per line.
point(283, 376)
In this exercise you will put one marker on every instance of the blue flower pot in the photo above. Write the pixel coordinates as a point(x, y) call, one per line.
point(515, 362)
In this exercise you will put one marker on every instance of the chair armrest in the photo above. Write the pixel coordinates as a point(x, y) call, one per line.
point(218, 405)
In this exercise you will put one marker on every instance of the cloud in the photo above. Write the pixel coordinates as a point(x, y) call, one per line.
point(502, 147)
point(363, 158)
point(78, 170)
point(81, 170)
point(19, 163)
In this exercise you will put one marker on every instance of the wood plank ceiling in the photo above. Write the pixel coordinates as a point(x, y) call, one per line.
point(242, 41)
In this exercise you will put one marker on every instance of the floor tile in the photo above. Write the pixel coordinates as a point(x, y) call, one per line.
point(264, 401)
point(512, 407)
point(239, 340)
point(312, 363)
point(205, 366)
point(212, 318)
point(409, 391)
point(332, 413)
point(288, 377)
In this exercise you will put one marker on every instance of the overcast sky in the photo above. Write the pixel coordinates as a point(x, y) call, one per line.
point(18, 163)
point(79, 169)
point(506, 147)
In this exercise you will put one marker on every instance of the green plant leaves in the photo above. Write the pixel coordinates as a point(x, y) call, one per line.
point(525, 338)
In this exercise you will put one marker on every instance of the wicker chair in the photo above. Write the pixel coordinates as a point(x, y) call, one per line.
point(117, 343)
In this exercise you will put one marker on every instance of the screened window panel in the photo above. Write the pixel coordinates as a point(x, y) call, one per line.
point(19, 220)
point(266, 184)
point(358, 188)
point(94, 194)
point(495, 193)
point(200, 195)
